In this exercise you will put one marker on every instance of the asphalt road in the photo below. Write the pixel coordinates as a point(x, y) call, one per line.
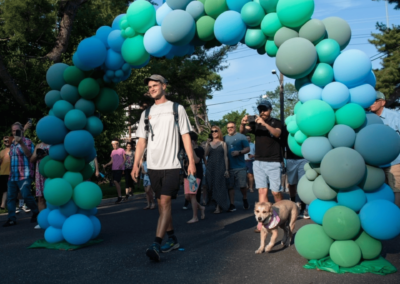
point(219, 249)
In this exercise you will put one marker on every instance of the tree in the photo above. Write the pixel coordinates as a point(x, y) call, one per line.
point(397, 2)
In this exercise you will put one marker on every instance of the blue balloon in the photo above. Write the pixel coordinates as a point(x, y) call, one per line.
point(236, 5)
point(342, 136)
point(180, 50)
point(310, 92)
point(56, 219)
point(55, 76)
point(352, 68)
point(119, 73)
point(318, 208)
point(126, 74)
point(354, 198)
point(380, 219)
point(154, 42)
point(86, 106)
point(115, 40)
point(42, 219)
point(69, 208)
point(162, 12)
point(115, 24)
point(77, 62)
point(91, 156)
point(229, 28)
point(126, 67)
point(114, 60)
point(79, 143)
point(69, 93)
point(336, 95)
point(96, 226)
point(106, 79)
point(178, 27)
point(53, 235)
point(77, 229)
point(57, 152)
point(52, 97)
point(315, 148)
point(196, 9)
point(364, 95)
point(178, 4)
point(110, 73)
point(75, 119)
point(384, 192)
point(92, 52)
point(102, 34)
point(371, 79)
point(61, 108)
point(51, 130)
point(48, 205)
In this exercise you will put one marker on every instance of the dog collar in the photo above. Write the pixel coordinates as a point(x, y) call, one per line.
point(273, 221)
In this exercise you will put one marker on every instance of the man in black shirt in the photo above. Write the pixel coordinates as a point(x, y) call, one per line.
point(268, 157)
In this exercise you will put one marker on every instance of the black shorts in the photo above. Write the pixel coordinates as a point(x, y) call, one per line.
point(164, 182)
point(117, 175)
point(3, 184)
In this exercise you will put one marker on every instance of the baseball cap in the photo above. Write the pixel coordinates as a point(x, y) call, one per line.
point(380, 96)
point(264, 103)
point(157, 78)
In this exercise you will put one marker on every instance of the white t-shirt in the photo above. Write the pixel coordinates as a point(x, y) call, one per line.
point(162, 149)
point(252, 151)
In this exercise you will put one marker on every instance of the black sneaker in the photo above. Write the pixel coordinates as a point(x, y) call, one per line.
point(118, 200)
point(34, 217)
point(126, 198)
point(232, 208)
point(246, 204)
point(10, 223)
point(153, 252)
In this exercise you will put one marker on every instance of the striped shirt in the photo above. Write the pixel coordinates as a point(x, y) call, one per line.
point(21, 167)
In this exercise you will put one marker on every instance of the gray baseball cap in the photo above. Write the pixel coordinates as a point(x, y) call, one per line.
point(157, 78)
point(265, 103)
point(380, 96)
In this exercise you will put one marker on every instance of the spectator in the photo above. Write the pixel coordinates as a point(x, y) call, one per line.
point(117, 162)
point(217, 170)
point(4, 170)
point(390, 118)
point(95, 166)
point(21, 174)
point(129, 157)
point(41, 151)
point(147, 185)
point(237, 145)
point(249, 158)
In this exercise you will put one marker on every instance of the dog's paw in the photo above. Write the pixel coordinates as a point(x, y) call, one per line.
point(259, 251)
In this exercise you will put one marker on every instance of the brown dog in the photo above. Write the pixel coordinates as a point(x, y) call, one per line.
point(270, 217)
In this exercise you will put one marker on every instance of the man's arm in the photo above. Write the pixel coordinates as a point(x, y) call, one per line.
point(244, 128)
point(96, 166)
point(27, 151)
point(276, 132)
point(245, 150)
point(187, 143)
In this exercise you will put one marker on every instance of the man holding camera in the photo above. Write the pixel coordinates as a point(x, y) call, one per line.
point(21, 174)
point(268, 157)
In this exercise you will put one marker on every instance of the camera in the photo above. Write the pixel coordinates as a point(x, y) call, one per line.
point(251, 118)
point(41, 153)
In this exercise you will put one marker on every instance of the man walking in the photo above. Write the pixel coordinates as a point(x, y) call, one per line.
point(249, 158)
point(390, 118)
point(237, 145)
point(160, 129)
point(21, 174)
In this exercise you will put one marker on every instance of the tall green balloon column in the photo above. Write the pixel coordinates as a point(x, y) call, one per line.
point(345, 145)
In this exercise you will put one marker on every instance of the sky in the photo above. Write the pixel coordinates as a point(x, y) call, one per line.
point(249, 74)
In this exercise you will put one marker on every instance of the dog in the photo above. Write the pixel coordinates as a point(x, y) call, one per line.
point(271, 216)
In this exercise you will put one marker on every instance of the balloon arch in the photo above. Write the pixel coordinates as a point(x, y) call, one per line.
point(345, 145)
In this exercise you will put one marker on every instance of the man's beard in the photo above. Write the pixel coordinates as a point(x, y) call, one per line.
point(159, 96)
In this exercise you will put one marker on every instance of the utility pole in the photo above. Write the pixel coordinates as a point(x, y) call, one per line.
point(387, 14)
point(281, 95)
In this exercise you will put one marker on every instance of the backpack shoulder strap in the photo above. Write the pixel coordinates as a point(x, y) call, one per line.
point(147, 125)
point(176, 114)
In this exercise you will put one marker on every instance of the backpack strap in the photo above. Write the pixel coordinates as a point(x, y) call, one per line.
point(147, 125)
point(176, 114)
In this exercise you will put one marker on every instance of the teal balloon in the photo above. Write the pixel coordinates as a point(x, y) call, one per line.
point(300, 137)
point(54, 169)
point(195, 9)
point(178, 28)
point(61, 108)
point(252, 14)
point(284, 34)
point(55, 76)
point(373, 179)
point(179, 4)
point(58, 192)
point(270, 48)
point(318, 208)
point(75, 120)
point(294, 146)
point(294, 13)
point(69, 93)
point(292, 127)
point(73, 164)
point(74, 178)
point(52, 97)
point(290, 64)
point(134, 52)
point(350, 114)
point(261, 50)
point(94, 126)
point(315, 118)
point(269, 6)
point(86, 106)
point(107, 101)
point(354, 198)
point(87, 195)
point(297, 106)
point(314, 30)
point(322, 75)
point(255, 38)
point(328, 50)
point(141, 16)
point(298, 83)
point(338, 30)
point(315, 148)
point(322, 190)
point(270, 25)
point(342, 136)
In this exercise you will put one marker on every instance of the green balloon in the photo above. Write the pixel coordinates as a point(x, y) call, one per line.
point(270, 24)
point(311, 242)
point(322, 190)
point(261, 50)
point(73, 178)
point(89, 88)
point(345, 253)
point(255, 38)
point(297, 105)
point(57, 191)
point(322, 75)
point(292, 127)
point(314, 30)
point(351, 114)
point(52, 97)
point(123, 34)
point(133, 50)
point(284, 34)
point(129, 32)
point(304, 190)
point(339, 30)
point(311, 175)
point(73, 164)
point(328, 50)
point(87, 172)
point(290, 63)
point(123, 23)
point(301, 82)
point(69, 93)
point(341, 223)
point(252, 14)
point(202, 1)
point(205, 28)
point(73, 75)
point(300, 137)
point(107, 101)
point(294, 13)
point(294, 146)
point(315, 118)
point(370, 247)
point(87, 195)
point(141, 16)
point(269, 6)
point(214, 8)
point(289, 119)
point(42, 164)
point(54, 169)
point(270, 48)
point(373, 179)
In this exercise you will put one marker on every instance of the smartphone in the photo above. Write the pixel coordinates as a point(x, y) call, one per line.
point(251, 118)
point(210, 136)
point(18, 133)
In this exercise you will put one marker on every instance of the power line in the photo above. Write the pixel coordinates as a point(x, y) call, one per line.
point(231, 109)
point(242, 100)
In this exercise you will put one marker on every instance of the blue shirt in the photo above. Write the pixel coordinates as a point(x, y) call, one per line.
point(236, 142)
point(391, 118)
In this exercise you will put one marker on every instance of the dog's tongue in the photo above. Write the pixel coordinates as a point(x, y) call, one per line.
point(259, 226)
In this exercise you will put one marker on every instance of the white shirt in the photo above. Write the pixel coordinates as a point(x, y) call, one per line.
point(252, 151)
point(162, 149)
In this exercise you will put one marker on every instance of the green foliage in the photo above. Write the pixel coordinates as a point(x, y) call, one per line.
point(397, 2)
